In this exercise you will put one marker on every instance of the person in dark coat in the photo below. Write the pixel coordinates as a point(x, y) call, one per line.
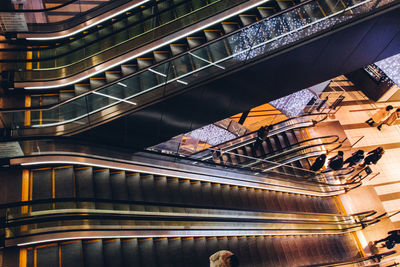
point(262, 135)
point(355, 158)
point(391, 240)
point(373, 156)
point(336, 163)
point(318, 163)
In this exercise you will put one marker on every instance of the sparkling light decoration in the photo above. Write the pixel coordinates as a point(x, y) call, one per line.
point(391, 67)
point(292, 105)
point(291, 26)
point(212, 135)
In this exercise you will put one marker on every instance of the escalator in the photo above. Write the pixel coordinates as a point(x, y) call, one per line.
point(52, 65)
point(251, 250)
point(172, 77)
point(287, 144)
point(87, 182)
point(286, 147)
point(49, 19)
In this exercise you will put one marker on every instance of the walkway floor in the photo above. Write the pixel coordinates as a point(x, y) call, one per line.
point(381, 193)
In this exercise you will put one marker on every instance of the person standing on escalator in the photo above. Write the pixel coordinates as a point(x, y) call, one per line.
point(318, 163)
point(336, 162)
point(262, 135)
point(355, 158)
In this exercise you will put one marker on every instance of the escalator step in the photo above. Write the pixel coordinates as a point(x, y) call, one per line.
point(187, 251)
point(184, 191)
point(47, 256)
point(254, 253)
point(206, 193)
point(102, 187)
point(244, 197)
point(146, 249)
point(161, 189)
point(212, 245)
point(112, 253)
point(161, 55)
point(93, 253)
point(118, 185)
point(42, 183)
point(230, 26)
point(161, 251)
point(226, 196)
point(71, 254)
point(217, 193)
point(173, 190)
point(265, 11)
point(233, 245)
point(130, 252)
point(195, 189)
point(64, 182)
point(222, 243)
point(177, 49)
point(244, 251)
point(201, 257)
point(175, 252)
point(134, 187)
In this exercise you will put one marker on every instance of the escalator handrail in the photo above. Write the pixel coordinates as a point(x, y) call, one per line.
point(19, 204)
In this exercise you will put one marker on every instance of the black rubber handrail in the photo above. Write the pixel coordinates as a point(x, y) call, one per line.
point(19, 204)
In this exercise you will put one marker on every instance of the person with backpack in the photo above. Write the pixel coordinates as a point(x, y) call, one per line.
point(355, 158)
point(262, 135)
point(318, 163)
point(336, 162)
point(373, 156)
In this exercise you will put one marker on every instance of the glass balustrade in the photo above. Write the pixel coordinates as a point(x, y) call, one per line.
point(144, 25)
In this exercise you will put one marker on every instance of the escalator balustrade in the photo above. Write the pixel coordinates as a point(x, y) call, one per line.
point(254, 250)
